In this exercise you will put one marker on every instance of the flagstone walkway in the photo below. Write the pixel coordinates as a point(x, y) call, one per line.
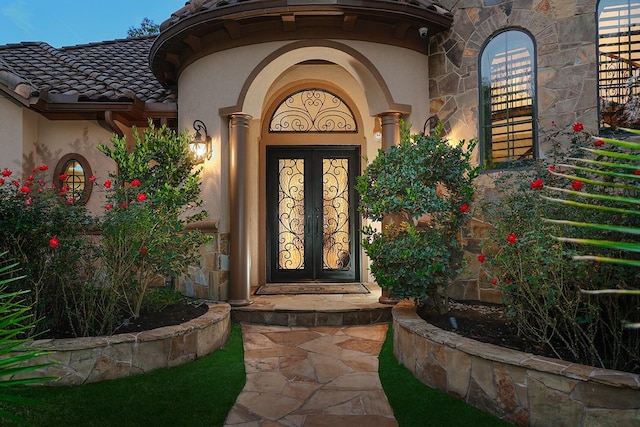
point(312, 377)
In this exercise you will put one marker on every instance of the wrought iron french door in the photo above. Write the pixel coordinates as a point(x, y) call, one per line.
point(312, 221)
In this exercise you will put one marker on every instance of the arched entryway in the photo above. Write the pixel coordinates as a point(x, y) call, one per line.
point(312, 136)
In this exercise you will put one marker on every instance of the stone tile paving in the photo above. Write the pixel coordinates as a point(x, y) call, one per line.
point(312, 377)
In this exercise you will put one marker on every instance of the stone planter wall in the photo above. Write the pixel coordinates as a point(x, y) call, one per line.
point(518, 387)
point(93, 359)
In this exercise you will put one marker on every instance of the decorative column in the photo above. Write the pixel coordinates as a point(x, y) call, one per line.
point(390, 137)
point(239, 272)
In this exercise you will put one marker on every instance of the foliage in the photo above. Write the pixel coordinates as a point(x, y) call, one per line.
point(421, 189)
point(199, 393)
point(44, 232)
point(16, 321)
point(144, 234)
point(540, 283)
point(147, 27)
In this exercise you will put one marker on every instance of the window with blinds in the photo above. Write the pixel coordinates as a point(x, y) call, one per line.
point(508, 100)
point(619, 63)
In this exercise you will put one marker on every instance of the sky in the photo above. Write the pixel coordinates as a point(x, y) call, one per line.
point(70, 22)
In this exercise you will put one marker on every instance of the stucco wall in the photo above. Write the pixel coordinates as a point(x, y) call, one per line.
point(11, 135)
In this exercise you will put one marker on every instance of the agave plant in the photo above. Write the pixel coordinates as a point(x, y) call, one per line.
point(610, 178)
point(15, 320)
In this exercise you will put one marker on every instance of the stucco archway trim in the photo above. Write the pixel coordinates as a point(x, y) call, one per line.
point(379, 96)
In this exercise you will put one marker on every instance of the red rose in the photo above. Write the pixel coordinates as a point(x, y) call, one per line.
point(512, 238)
point(553, 123)
point(537, 184)
point(508, 280)
point(16, 183)
point(108, 206)
point(135, 183)
point(41, 182)
point(494, 282)
point(107, 184)
point(30, 178)
point(53, 242)
point(28, 200)
point(124, 205)
point(1, 181)
point(39, 190)
point(598, 143)
point(142, 197)
point(7, 172)
point(481, 258)
point(577, 127)
point(464, 208)
point(24, 189)
point(92, 178)
point(43, 167)
point(62, 177)
point(636, 172)
point(552, 168)
point(577, 185)
point(143, 251)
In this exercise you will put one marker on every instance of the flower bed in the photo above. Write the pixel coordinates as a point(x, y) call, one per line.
point(519, 387)
point(93, 359)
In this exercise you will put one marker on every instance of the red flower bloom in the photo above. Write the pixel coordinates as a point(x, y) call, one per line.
point(16, 183)
point(41, 182)
point(92, 178)
point(24, 189)
point(108, 206)
point(1, 181)
point(481, 258)
point(636, 172)
point(39, 190)
point(107, 184)
point(537, 184)
point(512, 238)
point(43, 167)
point(143, 251)
point(552, 168)
point(53, 242)
point(508, 280)
point(7, 172)
point(62, 177)
point(28, 183)
point(494, 282)
point(30, 178)
point(142, 197)
point(135, 183)
point(577, 127)
point(124, 205)
point(464, 208)
point(64, 189)
point(553, 123)
point(598, 143)
point(28, 200)
point(576, 185)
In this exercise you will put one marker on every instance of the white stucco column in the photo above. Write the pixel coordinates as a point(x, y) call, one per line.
point(390, 137)
point(239, 274)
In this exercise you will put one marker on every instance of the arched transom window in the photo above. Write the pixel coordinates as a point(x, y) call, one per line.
point(508, 113)
point(313, 110)
point(619, 62)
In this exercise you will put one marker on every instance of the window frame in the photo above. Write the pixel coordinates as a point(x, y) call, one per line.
point(87, 172)
point(485, 124)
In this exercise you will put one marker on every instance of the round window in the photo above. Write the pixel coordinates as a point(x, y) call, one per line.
point(72, 173)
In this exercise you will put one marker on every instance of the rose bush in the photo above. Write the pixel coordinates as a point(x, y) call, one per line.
point(540, 282)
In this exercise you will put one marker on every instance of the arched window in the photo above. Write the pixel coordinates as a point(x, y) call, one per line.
point(619, 62)
point(507, 100)
point(73, 171)
point(313, 110)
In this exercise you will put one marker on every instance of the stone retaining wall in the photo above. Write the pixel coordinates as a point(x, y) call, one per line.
point(93, 359)
point(518, 387)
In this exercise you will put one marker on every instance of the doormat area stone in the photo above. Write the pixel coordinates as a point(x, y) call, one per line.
point(312, 288)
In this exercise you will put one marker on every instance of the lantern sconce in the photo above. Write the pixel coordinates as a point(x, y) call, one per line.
point(201, 145)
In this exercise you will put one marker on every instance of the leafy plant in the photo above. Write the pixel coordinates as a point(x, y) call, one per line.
point(16, 323)
point(421, 190)
point(144, 234)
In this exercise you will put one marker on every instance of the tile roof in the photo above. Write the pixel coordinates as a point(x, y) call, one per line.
point(111, 71)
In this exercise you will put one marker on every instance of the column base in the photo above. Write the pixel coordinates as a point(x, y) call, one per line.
point(386, 298)
point(239, 302)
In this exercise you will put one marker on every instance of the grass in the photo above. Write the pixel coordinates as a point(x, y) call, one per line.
point(202, 392)
point(415, 404)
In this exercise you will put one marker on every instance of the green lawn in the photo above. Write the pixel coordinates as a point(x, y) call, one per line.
point(202, 392)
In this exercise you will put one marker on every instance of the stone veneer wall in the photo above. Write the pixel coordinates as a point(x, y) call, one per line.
point(86, 360)
point(209, 279)
point(564, 34)
point(518, 387)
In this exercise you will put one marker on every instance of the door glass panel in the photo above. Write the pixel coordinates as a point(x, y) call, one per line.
point(291, 214)
point(336, 239)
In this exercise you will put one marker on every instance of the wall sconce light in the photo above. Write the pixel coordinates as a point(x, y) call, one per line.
point(377, 129)
point(201, 145)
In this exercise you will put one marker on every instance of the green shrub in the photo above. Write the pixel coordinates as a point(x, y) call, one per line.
point(422, 188)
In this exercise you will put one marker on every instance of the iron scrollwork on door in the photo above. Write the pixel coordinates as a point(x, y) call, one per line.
point(313, 110)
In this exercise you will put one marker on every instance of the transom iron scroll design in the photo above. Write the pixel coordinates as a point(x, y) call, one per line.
point(313, 110)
